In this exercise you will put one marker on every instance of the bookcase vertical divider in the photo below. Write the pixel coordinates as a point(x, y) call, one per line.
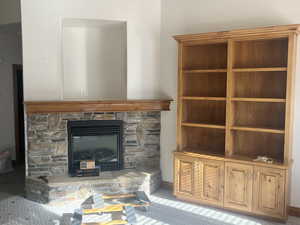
point(179, 100)
point(229, 114)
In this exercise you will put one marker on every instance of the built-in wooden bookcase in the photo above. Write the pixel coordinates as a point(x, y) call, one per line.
point(235, 93)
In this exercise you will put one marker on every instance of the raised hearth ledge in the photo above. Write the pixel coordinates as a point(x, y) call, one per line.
point(97, 106)
point(63, 189)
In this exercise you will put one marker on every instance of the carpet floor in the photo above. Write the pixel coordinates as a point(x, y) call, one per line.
point(165, 210)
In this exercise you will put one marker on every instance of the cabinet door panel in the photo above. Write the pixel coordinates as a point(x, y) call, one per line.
point(238, 186)
point(268, 196)
point(211, 182)
point(185, 176)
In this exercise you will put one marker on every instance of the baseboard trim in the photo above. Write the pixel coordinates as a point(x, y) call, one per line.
point(292, 211)
point(167, 185)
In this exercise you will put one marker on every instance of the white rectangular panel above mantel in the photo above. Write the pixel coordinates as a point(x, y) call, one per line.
point(93, 59)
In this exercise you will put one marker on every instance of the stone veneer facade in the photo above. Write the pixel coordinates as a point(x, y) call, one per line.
point(47, 140)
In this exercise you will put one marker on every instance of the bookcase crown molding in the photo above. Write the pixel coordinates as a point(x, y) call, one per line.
point(283, 30)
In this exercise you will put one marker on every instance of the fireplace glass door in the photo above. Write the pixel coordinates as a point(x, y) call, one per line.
point(99, 141)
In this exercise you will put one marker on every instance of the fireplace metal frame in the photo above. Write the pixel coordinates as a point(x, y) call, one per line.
point(91, 127)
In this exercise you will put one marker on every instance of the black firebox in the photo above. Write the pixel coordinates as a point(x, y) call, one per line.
point(97, 140)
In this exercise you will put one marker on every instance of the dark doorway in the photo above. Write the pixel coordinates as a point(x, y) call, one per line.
point(19, 114)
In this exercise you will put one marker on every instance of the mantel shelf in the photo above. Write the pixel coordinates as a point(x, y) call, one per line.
point(97, 106)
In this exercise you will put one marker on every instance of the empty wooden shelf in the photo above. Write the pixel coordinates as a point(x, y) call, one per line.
point(204, 57)
point(212, 84)
point(258, 114)
point(265, 84)
point(235, 96)
point(259, 53)
point(199, 139)
point(209, 112)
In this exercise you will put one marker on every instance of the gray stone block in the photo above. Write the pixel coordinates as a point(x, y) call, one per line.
point(48, 145)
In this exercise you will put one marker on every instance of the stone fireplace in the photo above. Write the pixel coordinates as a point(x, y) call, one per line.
point(128, 133)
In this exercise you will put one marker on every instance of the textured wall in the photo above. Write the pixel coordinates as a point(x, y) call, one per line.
point(47, 140)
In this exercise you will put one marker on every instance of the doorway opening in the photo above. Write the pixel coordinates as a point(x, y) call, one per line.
point(19, 114)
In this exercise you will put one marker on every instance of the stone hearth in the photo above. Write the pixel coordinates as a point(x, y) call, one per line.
point(59, 189)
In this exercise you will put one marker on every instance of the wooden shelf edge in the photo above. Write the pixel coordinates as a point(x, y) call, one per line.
point(33, 107)
point(267, 69)
point(200, 155)
point(203, 125)
point(237, 159)
point(204, 98)
point(256, 129)
point(206, 71)
point(259, 99)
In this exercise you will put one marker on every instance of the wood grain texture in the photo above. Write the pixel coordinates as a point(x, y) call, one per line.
point(97, 106)
point(269, 197)
point(200, 139)
point(179, 100)
point(267, 85)
point(253, 144)
point(260, 53)
point(207, 112)
point(212, 85)
point(238, 186)
point(205, 57)
point(234, 158)
point(229, 114)
point(185, 178)
point(269, 115)
point(210, 186)
point(292, 211)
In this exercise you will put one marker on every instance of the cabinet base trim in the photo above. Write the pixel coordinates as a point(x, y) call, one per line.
point(294, 211)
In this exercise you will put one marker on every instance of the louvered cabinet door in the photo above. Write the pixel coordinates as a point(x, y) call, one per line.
point(210, 188)
point(238, 186)
point(269, 192)
point(185, 168)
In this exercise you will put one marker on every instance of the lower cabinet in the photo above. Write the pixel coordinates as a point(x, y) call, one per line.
point(237, 186)
point(185, 175)
point(269, 189)
point(210, 188)
point(200, 180)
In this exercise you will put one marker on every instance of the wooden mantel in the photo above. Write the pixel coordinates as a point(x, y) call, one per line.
point(97, 106)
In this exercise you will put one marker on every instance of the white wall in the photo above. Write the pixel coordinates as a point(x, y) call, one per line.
point(10, 53)
point(194, 16)
point(10, 11)
point(42, 22)
point(94, 59)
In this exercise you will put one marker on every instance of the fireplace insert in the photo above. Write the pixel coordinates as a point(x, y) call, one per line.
point(96, 140)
